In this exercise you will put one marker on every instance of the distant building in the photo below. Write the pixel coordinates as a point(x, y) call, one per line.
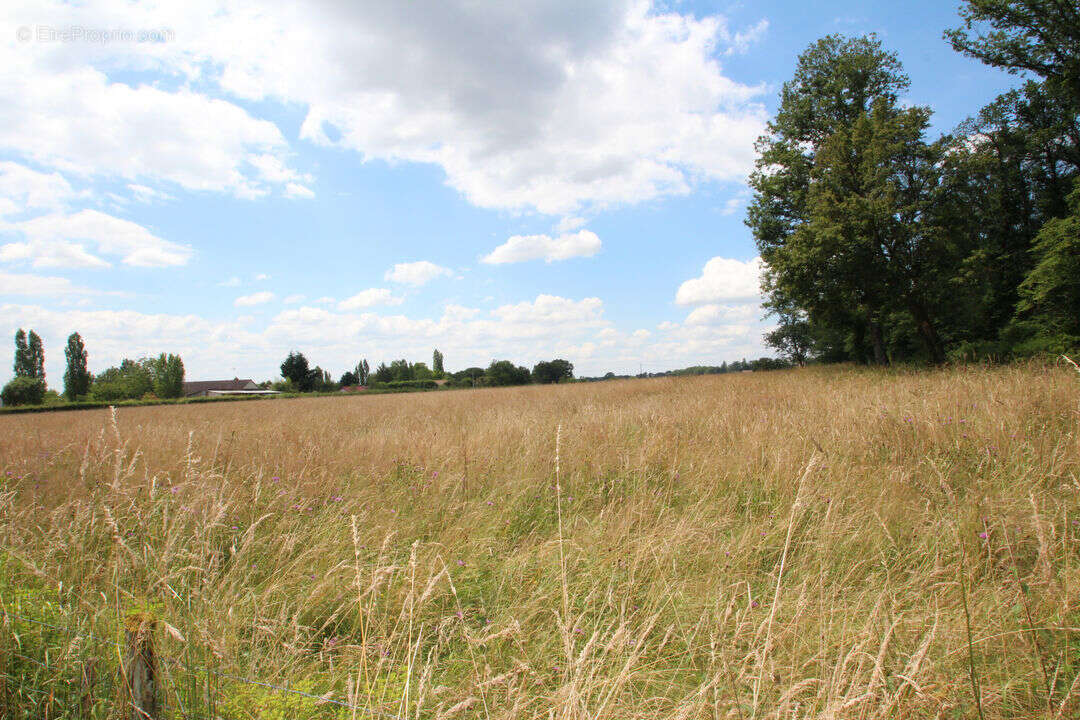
point(236, 386)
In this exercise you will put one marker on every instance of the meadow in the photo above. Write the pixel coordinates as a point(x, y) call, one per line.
point(815, 543)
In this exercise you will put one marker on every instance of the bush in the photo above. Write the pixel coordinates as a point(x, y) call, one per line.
point(23, 391)
point(407, 385)
point(109, 391)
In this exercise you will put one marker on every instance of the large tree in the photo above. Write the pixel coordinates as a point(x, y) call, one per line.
point(76, 376)
point(870, 200)
point(295, 369)
point(836, 81)
point(504, 372)
point(552, 371)
point(168, 375)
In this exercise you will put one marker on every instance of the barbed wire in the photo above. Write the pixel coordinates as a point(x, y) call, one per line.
point(194, 668)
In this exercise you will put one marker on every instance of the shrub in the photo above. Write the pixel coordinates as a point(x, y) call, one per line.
point(109, 391)
point(407, 385)
point(24, 391)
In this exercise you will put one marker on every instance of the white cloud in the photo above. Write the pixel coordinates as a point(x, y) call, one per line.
point(366, 298)
point(231, 282)
point(40, 285)
point(64, 109)
point(83, 124)
point(415, 273)
point(295, 190)
point(740, 41)
point(22, 189)
point(713, 314)
point(521, 248)
point(293, 299)
point(551, 106)
point(551, 310)
point(569, 224)
point(55, 240)
point(259, 277)
point(146, 194)
point(722, 279)
point(258, 298)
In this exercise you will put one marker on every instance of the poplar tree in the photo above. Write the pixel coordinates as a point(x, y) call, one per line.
point(77, 376)
point(23, 364)
point(37, 356)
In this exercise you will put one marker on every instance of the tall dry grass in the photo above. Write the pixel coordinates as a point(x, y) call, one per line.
point(822, 543)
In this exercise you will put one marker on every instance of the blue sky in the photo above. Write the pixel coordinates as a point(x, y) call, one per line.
point(369, 179)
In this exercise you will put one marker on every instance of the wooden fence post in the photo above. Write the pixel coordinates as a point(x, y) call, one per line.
point(141, 666)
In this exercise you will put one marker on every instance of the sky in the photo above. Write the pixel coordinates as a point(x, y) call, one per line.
point(353, 179)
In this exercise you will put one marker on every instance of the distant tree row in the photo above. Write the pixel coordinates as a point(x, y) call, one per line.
point(744, 365)
point(298, 376)
point(160, 377)
point(881, 244)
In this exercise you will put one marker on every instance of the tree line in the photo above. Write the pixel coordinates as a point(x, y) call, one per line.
point(881, 244)
point(145, 378)
point(744, 365)
point(298, 375)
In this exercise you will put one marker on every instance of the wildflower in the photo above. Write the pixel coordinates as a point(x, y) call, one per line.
point(174, 489)
point(235, 527)
point(983, 535)
point(435, 474)
point(460, 563)
point(275, 478)
point(754, 604)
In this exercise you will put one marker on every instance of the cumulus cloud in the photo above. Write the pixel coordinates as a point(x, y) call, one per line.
point(722, 279)
point(293, 299)
point(521, 248)
point(60, 240)
point(65, 109)
point(712, 314)
point(259, 298)
point(40, 285)
point(23, 189)
point(415, 273)
point(365, 299)
point(542, 105)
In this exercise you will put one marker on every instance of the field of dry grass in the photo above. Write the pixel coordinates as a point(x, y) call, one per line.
point(822, 543)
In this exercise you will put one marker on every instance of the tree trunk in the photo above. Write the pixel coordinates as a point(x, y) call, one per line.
point(927, 332)
point(876, 337)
